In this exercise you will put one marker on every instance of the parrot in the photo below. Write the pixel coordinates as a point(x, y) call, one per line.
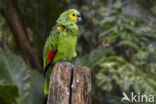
point(61, 42)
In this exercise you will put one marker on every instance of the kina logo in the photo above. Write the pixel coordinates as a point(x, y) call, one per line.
point(125, 98)
point(137, 98)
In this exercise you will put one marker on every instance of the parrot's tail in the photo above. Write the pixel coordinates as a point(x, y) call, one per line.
point(48, 71)
point(46, 86)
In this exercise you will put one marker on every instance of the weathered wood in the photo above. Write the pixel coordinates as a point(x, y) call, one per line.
point(69, 85)
point(60, 82)
point(81, 85)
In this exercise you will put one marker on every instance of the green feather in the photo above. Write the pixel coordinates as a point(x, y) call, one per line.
point(63, 43)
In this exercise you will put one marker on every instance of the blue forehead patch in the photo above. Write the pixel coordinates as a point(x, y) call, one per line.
point(78, 14)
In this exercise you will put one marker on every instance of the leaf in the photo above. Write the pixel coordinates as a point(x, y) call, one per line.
point(36, 91)
point(129, 43)
point(16, 77)
point(8, 89)
point(108, 31)
point(108, 64)
point(93, 58)
point(8, 93)
point(117, 5)
point(2, 5)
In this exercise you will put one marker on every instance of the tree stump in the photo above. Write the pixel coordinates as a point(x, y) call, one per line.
point(69, 85)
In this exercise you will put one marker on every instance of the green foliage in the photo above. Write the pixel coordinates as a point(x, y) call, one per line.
point(8, 93)
point(19, 84)
point(2, 5)
point(121, 53)
point(120, 50)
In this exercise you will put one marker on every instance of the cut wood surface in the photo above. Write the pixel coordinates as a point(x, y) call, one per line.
point(69, 85)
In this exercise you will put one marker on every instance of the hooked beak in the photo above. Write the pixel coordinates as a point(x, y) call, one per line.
point(79, 19)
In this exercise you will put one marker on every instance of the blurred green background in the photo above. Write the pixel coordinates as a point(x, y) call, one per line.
point(117, 41)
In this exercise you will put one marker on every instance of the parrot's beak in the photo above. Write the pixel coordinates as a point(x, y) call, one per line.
point(79, 19)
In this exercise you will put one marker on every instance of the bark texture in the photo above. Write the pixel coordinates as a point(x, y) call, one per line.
point(81, 86)
point(69, 85)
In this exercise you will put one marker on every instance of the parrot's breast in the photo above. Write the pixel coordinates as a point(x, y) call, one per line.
point(66, 47)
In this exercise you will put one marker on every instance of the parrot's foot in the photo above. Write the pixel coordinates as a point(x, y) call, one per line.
point(66, 62)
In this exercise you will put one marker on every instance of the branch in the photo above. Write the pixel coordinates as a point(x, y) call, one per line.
point(22, 42)
point(69, 85)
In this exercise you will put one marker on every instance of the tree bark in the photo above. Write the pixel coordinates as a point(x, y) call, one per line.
point(81, 86)
point(69, 85)
point(60, 84)
point(19, 34)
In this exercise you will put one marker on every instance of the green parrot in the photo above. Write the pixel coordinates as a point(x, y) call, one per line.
point(61, 43)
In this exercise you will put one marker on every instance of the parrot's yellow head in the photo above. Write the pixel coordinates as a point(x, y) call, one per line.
point(69, 17)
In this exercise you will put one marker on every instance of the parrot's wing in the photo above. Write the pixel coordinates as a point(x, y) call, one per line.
point(50, 47)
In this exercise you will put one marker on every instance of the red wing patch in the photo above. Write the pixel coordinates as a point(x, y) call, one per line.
point(50, 56)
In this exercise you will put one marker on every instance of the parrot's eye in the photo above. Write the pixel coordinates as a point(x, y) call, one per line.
point(74, 14)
